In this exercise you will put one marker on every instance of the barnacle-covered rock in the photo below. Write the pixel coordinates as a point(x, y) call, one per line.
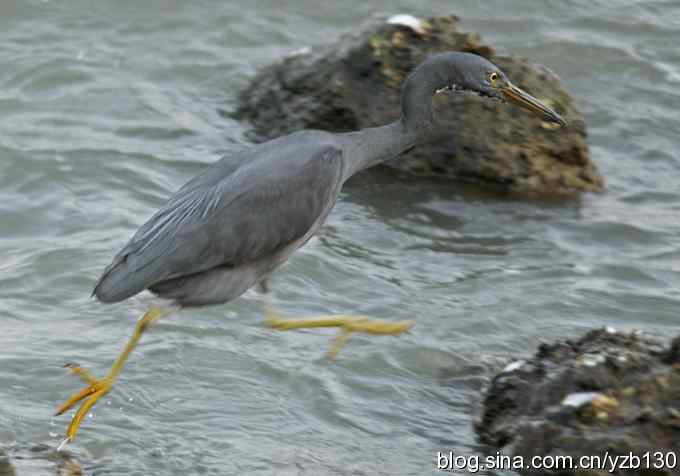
point(607, 393)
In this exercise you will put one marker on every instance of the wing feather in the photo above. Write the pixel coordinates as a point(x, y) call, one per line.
point(249, 214)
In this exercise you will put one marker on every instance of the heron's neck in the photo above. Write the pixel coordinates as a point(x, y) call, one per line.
point(372, 146)
point(369, 147)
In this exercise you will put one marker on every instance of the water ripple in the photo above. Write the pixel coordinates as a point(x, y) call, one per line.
point(107, 109)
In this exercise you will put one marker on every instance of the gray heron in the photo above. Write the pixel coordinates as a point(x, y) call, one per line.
point(232, 225)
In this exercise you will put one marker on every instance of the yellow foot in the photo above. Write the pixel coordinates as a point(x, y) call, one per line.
point(347, 325)
point(97, 388)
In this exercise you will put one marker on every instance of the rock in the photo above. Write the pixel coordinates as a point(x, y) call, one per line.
point(39, 458)
point(606, 392)
point(6, 468)
point(355, 83)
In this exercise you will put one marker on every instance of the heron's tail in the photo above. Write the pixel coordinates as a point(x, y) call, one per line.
point(120, 281)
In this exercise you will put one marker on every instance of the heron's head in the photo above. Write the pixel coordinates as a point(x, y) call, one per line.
point(459, 71)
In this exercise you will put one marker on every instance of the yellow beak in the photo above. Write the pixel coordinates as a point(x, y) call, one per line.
point(523, 99)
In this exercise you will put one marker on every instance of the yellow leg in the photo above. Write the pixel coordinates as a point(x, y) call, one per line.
point(97, 388)
point(347, 325)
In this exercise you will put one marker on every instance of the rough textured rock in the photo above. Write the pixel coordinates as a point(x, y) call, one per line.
point(6, 468)
point(607, 391)
point(356, 82)
point(25, 459)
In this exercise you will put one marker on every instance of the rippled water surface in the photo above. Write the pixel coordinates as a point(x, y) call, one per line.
point(108, 107)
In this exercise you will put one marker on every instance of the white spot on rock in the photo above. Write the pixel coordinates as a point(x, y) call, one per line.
point(591, 360)
point(511, 367)
point(409, 21)
point(577, 400)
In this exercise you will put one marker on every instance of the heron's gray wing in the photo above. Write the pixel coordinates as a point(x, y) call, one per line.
point(255, 211)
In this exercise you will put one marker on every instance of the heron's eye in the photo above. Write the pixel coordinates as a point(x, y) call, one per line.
point(493, 77)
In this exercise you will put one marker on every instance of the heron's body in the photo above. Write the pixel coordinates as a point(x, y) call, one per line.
point(232, 225)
